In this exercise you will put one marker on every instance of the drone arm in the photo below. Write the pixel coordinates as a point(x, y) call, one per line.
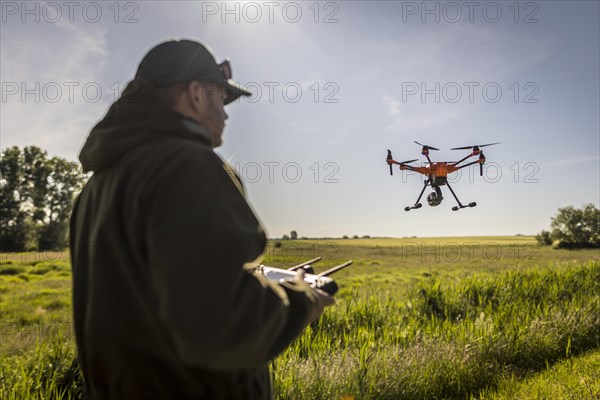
point(463, 159)
point(411, 168)
point(402, 165)
point(466, 165)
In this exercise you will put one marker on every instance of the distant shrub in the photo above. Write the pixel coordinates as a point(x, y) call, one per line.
point(544, 238)
point(565, 244)
point(11, 269)
point(44, 268)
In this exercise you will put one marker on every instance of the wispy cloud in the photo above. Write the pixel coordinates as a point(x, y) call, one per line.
point(577, 160)
point(417, 117)
point(392, 105)
point(445, 55)
point(53, 64)
point(421, 120)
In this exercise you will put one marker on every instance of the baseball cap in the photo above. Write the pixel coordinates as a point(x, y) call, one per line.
point(179, 61)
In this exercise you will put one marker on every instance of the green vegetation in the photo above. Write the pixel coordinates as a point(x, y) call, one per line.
point(434, 318)
point(573, 228)
point(446, 340)
point(35, 299)
point(36, 198)
point(574, 378)
point(48, 372)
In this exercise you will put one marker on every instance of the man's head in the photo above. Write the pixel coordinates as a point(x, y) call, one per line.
point(191, 82)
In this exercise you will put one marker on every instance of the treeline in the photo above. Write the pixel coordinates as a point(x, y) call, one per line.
point(36, 198)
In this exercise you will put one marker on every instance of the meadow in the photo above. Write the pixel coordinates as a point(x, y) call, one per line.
point(432, 318)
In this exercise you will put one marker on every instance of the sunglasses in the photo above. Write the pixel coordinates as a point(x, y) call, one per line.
point(225, 68)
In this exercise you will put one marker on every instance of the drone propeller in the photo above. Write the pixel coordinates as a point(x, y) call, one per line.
point(426, 146)
point(390, 160)
point(482, 161)
point(475, 147)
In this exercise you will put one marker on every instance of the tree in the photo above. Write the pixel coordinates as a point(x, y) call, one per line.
point(37, 195)
point(53, 236)
point(576, 228)
point(285, 237)
point(294, 235)
point(13, 231)
point(34, 185)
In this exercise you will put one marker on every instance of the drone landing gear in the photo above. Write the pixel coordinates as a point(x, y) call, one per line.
point(417, 204)
point(460, 205)
point(456, 208)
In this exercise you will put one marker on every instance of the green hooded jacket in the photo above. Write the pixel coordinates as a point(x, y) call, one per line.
point(161, 236)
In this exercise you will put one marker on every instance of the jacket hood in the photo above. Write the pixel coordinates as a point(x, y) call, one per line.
point(129, 122)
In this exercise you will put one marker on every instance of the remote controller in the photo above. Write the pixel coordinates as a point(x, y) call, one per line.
point(319, 281)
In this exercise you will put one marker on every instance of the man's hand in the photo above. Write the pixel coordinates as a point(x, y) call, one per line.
point(324, 299)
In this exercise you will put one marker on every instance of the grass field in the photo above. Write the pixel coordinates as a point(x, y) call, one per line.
point(433, 318)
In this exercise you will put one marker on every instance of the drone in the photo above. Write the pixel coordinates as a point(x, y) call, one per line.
point(437, 173)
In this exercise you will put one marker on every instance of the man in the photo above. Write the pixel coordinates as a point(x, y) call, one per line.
point(161, 237)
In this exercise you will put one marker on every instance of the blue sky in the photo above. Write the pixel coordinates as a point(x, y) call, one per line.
point(337, 84)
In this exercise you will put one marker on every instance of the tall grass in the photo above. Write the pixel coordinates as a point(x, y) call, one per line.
point(443, 339)
point(576, 378)
point(48, 372)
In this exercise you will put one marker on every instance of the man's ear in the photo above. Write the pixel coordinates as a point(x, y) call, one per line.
point(193, 93)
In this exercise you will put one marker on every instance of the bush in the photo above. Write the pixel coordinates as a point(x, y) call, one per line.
point(11, 269)
point(573, 228)
point(544, 238)
point(54, 236)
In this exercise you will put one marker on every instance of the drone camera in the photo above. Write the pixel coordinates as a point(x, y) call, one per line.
point(435, 198)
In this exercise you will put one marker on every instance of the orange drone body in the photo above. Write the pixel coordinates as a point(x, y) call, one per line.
point(439, 169)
